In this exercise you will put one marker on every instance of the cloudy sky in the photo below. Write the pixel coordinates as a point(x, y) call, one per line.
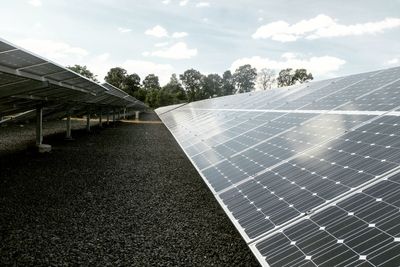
point(329, 38)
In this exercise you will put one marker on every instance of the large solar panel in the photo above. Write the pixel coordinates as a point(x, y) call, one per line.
point(289, 165)
point(28, 80)
point(361, 230)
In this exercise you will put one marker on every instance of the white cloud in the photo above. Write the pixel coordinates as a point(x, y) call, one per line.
point(100, 65)
point(54, 50)
point(161, 44)
point(203, 4)
point(320, 67)
point(124, 30)
point(183, 2)
point(321, 26)
point(66, 54)
point(157, 31)
point(179, 34)
point(35, 3)
point(393, 61)
point(177, 51)
point(166, 2)
point(260, 19)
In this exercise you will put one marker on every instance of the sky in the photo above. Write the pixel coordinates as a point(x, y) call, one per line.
point(327, 37)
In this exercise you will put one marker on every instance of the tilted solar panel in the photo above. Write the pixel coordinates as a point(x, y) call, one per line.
point(304, 173)
point(28, 81)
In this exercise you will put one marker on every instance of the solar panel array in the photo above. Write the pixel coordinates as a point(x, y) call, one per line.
point(308, 174)
point(28, 80)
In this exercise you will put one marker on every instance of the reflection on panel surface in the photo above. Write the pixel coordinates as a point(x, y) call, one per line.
point(273, 158)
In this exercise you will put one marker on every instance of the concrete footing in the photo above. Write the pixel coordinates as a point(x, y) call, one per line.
point(43, 148)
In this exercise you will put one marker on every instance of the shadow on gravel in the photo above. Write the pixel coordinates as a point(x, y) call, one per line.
point(124, 195)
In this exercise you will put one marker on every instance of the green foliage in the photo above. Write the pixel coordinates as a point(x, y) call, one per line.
point(152, 98)
point(193, 86)
point(84, 71)
point(302, 76)
point(191, 80)
point(117, 77)
point(151, 82)
point(228, 84)
point(132, 83)
point(165, 97)
point(175, 88)
point(211, 86)
point(244, 78)
point(120, 78)
point(289, 77)
point(140, 94)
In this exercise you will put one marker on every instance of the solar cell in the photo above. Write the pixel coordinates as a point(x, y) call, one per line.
point(335, 86)
point(384, 99)
point(362, 230)
point(293, 169)
point(375, 81)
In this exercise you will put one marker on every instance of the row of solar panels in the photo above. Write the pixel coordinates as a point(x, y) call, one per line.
point(28, 80)
point(308, 174)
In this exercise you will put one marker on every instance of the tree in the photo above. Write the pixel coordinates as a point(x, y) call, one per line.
point(117, 77)
point(289, 77)
point(84, 71)
point(228, 84)
point(132, 83)
point(140, 94)
point(152, 97)
point(151, 82)
point(285, 77)
point(165, 97)
point(266, 78)
point(174, 87)
point(191, 80)
point(302, 76)
point(211, 86)
point(244, 78)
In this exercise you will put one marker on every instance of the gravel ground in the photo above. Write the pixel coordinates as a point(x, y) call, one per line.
point(119, 196)
point(18, 136)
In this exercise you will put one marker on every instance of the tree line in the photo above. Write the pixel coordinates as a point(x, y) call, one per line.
point(192, 85)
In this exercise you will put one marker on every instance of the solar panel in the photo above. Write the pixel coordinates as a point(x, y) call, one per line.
point(28, 80)
point(362, 230)
point(280, 161)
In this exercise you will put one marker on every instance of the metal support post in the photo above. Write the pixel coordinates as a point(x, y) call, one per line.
point(41, 148)
point(137, 115)
point(88, 122)
point(101, 119)
point(68, 133)
point(39, 126)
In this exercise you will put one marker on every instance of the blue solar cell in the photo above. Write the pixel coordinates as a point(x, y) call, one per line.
point(272, 158)
point(362, 229)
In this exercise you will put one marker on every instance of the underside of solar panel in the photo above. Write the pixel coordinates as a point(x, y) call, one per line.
point(28, 81)
point(308, 174)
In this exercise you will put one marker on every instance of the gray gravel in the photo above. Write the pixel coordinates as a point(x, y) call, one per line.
point(18, 136)
point(119, 196)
